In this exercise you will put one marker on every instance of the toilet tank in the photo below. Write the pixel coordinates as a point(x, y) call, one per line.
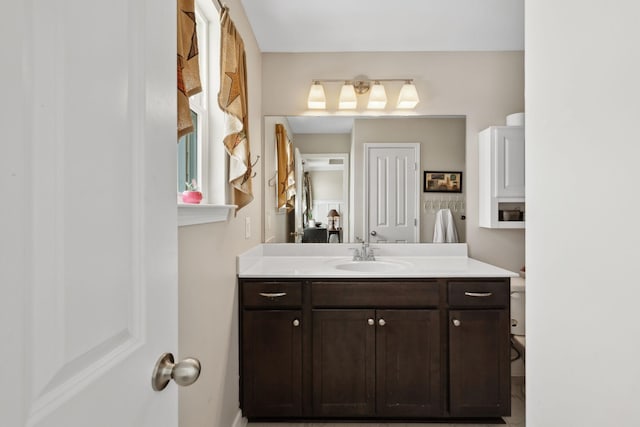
point(517, 305)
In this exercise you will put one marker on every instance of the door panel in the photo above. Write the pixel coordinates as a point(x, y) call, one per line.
point(272, 363)
point(392, 193)
point(510, 161)
point(479, 363)
point(100, 218)
point(343, 363)
point(408, 363)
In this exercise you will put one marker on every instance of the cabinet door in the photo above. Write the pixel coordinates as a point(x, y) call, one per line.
point(479, 365)
point(272, 363)
point(408, 363)
point(343, 363)
point(509, 161)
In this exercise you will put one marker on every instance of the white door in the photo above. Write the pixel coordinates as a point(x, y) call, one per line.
point(392, 192)
point(89, 245)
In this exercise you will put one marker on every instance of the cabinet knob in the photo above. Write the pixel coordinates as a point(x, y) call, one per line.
point(371, 322)
point(296, 322)
point(456, 322)
point(381, 322)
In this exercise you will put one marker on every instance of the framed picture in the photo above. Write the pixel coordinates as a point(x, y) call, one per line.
point(442, 182)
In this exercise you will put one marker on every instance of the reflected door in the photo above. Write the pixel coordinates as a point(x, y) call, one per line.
point(392, 193)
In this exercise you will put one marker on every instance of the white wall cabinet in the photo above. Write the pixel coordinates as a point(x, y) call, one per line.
point(501, 170)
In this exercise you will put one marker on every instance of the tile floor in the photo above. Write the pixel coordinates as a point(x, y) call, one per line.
point(515, 420)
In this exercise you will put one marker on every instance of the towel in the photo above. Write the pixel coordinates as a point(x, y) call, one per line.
point(188, 71)
point(232, 100)
point(444, 230)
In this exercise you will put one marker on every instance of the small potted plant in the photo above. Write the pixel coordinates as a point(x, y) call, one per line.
point(191, 194)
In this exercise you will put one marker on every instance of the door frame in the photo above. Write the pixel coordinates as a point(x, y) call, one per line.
point(391, 145)
point(346, 179)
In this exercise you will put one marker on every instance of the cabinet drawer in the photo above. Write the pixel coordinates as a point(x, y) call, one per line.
point(479, 294)
point(379, 294)
point(271, 294)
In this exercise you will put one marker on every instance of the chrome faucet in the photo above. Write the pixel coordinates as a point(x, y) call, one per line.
point(365, 253)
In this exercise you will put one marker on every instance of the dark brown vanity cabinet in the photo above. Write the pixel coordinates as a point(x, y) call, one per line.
point(271, 346)
point(479, 349)
point(373, 348)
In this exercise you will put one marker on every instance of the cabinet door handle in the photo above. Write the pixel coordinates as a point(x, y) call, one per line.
point(478, 294)
point(371, 322)
point(456, 322)
point(272, 294)
point(296, 322)
point(381, 322)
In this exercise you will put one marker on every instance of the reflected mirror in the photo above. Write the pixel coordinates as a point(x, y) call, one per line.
point(342, 179)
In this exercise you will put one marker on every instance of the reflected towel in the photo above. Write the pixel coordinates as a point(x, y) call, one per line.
point(444, 230)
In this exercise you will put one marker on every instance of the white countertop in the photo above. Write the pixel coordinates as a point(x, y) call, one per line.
point(323, 260)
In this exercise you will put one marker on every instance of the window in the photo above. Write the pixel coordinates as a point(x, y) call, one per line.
point(192, 160)
point(201, 155)
point(188, 158)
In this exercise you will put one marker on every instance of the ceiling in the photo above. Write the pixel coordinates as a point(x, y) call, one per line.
point(386, 26)
point(320, 124)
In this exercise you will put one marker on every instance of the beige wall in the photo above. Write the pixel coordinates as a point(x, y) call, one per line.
point(326, 185)
point(442, 148)
point(312, 143)
point(484, 87)
point(208, 325)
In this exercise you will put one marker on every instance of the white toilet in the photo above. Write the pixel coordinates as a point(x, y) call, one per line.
point(517, 323)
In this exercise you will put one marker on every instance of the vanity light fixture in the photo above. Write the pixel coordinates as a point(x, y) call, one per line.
point(378, 97)
point(317, 99)
point(348, 99)
point(408, 97)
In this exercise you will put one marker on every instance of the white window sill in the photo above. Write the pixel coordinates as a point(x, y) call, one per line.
point(190, 214)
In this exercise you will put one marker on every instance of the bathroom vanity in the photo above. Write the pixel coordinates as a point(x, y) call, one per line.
point(420, 333)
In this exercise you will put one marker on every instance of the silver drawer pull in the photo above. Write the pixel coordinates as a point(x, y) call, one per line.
point(478, 294)
point(272, 294)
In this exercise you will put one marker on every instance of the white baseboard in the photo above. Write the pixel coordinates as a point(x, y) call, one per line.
point(239, 421)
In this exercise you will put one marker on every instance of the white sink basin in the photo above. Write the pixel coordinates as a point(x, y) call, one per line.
point(371, 266)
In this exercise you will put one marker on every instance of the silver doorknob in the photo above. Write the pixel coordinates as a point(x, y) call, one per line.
point(373, 233)
point(184, 373)
point(370, 322)
point(381, 322)
point(456, 322)
point(296, 322)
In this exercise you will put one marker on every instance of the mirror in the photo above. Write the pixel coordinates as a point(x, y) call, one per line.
point(354, 167)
